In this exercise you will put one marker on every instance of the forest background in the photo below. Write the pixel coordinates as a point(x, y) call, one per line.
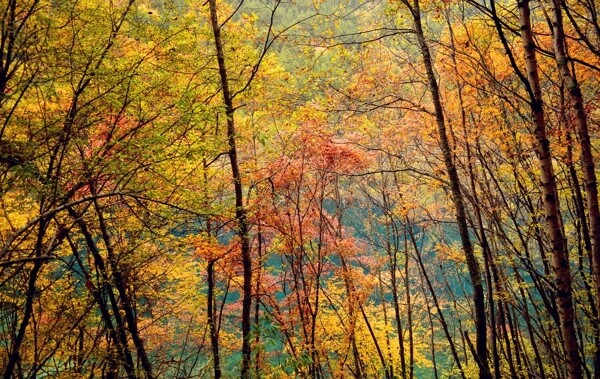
point(312, 189)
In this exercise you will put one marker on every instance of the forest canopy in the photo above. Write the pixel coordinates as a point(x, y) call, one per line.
point(299, 189)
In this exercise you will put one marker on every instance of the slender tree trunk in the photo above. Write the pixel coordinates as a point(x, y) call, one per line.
point(587, 158)
point(584, 244)
point(122, 351)
point(121, 341)
point(14, 352)
point(532, 336)
point(214, 336)
point(560, 261)
point(375, 342)
point(393, 257)
point(457, 197)
point(352, 318)
point(512, 325)
point(210, 301)
point(392, 232)
point(240, 211)
point(506, 328)
point(487, 253)
point(432, 341)
point(436, 303)
point(389, 368)
point(257, 362)
point(411, 345)
point(125, 299)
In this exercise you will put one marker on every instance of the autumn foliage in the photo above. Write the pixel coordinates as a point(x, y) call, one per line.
point(330, 189)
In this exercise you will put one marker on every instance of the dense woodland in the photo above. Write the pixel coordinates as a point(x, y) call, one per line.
point(299, 189)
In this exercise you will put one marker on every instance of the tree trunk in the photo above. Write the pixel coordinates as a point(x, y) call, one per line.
point(214, 336)
point(240, 211)
point(436, 303)
point(14, 352)
point(125, 299)
point(587, 158)
point(560, 261)
point(457, 197)
point(120, 338)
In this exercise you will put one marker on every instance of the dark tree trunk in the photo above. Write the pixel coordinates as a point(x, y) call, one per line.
point(457, 196)
point(240, 211)
point(14, 352)
point(587, 158)
point(214, 336)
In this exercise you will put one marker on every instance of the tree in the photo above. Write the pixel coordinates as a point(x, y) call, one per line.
point(560, 262)
point(588, 166)
point(457, 197)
